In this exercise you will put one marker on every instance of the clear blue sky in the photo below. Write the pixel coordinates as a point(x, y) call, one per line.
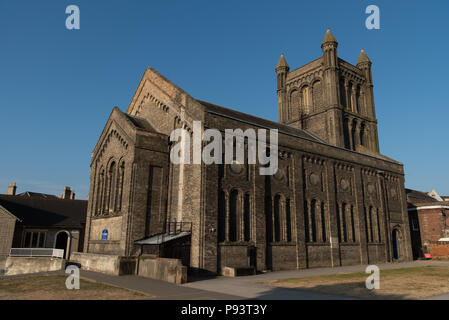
point(58, 87)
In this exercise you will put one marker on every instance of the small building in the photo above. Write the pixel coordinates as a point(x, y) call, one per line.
point(37, 220)
point(429, 223)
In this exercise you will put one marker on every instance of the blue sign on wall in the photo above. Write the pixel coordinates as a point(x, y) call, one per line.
point(104, 235)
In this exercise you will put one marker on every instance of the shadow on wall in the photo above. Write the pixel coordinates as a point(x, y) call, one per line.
point(355, 291)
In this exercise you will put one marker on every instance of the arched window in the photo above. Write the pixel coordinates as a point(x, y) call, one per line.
point(306, 99)
point(378, 225)
point(313, 220)
point(112, 180)
point(247, 218)
point(233, 209)
point(357, 100)
point(344, 220)
point(288, 219)
point(277, 222)
point(100, 187)
point(353, 224)
point(370, 224)
point(119, 189)
point(323, 223)
point(350, 97)
point(221, 216)
point(306, 221)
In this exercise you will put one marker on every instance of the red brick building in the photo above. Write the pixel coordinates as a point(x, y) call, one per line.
point(429, 223)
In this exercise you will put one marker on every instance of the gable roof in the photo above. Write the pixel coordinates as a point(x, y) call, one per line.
point(37, 211)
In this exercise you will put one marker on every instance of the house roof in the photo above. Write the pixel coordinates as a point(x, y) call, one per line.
point(419, 197)
point(37, 194)
point(38, 211)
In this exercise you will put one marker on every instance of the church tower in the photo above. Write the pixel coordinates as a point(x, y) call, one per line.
point(331, 98)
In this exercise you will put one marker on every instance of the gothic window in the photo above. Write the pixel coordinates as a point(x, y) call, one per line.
point(247, 218)
point(352, 224)
point(350, 96)
point(323, 223)
point(112, 174)
point(369, 224)
point(233, 215)
point(306, 99)
point(277, 222)
point(343, 93)
point(378, 225)
point(288, 220)
point(313, 224)
point(344, 222)
point(306, 221)
point(221, 217)
point(119, 189)
point(100, 187)
point(362, 134)
point(357, 100)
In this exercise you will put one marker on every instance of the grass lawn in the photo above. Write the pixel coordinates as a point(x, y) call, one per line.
point(406, 283)
point(52, 287)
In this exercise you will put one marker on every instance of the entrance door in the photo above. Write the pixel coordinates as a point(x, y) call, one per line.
point(61, 242)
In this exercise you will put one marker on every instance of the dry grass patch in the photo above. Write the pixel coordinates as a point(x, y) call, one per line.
point(52, 287)
point(406, 283)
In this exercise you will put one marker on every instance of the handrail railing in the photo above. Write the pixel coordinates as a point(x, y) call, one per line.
point(36, 252)
point(175, 227)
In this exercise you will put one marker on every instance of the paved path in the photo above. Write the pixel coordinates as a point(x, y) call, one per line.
point(248, 287)
point(160, 289)
point(251, 288)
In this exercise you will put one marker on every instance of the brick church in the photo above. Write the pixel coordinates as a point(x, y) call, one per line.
point(335, 199)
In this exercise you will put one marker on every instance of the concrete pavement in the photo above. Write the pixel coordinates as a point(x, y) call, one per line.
point(251, 287)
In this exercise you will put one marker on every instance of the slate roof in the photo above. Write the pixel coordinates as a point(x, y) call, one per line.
point(418, 196)
point(37, 194)
point(260, 122)
point(38, 211)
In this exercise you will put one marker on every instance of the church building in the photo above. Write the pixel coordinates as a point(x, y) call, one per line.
point(335, 200)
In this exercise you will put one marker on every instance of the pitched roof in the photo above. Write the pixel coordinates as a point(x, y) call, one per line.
point(260, 122)
point(46, 212)
point(416, 196)
point(37, 194)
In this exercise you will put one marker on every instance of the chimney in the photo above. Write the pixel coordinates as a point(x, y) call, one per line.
point(72, 195)
point(66, 193)
point(12, 189)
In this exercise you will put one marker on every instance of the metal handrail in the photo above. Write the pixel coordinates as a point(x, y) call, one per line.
point(36, 252)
